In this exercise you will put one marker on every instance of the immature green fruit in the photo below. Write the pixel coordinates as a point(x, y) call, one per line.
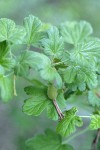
point(52, 92)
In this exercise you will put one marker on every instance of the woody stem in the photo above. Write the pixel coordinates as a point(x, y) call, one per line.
point(58, 110)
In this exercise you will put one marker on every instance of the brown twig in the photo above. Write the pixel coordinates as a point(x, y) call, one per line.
point(58, 110)
point(95, 140)
point(97, 94)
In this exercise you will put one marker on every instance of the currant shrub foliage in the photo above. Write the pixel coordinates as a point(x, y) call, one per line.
point(67, 62)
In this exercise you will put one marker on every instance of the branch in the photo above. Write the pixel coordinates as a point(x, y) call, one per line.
point(95, 140)
point(58, 110)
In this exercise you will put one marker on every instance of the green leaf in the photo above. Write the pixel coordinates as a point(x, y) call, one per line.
point(60, 99)
point(86, 52)
point(53, 45)
point(67, 125)
point(95, 122)
point(79, 75)
point(10, 32)
point(6, 86)
point(70, 74)
point(30, 89)
point(75, 32)
point(36, 103)
point(58, 81)
point(48, 73)
point(93, 99)
point(77, 86)
point(33, 29)
point(18, 35)
point(51, 111)
point(7, 63)
point(30, 59)
point(22, 64)
point(2, 70)
point(3, 48)
point(48, 141)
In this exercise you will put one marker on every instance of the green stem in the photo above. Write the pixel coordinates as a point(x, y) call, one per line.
point(75, 135)
point(14, 85)
point(85, 116)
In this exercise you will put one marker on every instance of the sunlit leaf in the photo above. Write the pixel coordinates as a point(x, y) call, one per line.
point(33, 29)
point(53, 45)
point(75, 32)
point(10, 32)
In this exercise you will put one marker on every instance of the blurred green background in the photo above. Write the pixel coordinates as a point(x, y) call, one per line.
point(16, 127)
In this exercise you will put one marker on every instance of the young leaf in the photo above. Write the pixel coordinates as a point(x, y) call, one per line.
point(6, 86)
point(67, 125)
point(33, 27)
point(53, 45)
point(48, 141)
point(10, 32)
point(86, 52)
point(93, 99)
point(37, 103)
point(75, 32)
point(78, 75)
point(95, 122)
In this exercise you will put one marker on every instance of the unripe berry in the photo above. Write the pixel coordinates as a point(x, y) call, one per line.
point(52, 92)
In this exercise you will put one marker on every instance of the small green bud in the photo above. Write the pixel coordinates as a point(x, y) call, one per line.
point(52, 92)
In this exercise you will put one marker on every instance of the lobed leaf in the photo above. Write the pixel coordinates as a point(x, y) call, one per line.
point(75, 32)
point(77, 76)
point(95, 122)
point(10, 32)
point(37, 103)
point(30, 59)
point(33, 29)
point(49, 140)
point(53, 45)
point(67, 125)
point(93, 99)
